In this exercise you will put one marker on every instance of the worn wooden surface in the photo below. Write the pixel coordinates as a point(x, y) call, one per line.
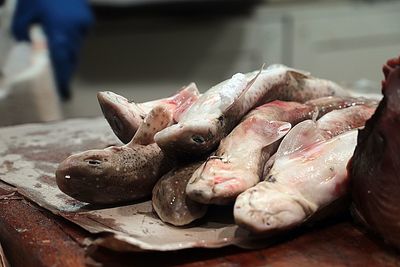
point(32, 236)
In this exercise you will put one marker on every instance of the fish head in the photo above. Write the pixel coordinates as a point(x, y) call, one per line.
point(83, 175)
point(265, 209)
point(217, 181)
point(189, 139)
point(124, 117)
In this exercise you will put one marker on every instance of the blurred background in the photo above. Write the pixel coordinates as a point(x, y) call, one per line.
point(147, 49)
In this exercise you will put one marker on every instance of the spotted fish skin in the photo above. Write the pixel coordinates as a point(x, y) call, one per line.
point(112, 175)
point(118, 174)
point(157, 119)
point(220, 109)
point(125, 116)
point(170, 200)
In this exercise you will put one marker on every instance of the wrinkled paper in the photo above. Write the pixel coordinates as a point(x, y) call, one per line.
point(29, 156)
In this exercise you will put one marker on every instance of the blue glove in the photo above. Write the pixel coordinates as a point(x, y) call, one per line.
point(65, 23)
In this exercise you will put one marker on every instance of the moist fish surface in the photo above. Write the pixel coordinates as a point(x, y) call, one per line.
point(305, 156)
point(331, 124)
point(240, 158)
point(219, 110)
point(238, 162)
point(170, 201)
point(330, 103)
point(118, 174)
point(298, 185)
point(125, 116)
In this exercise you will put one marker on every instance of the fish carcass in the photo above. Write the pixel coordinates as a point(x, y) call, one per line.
point(240, 158)
point(308, 174)
point(170, 201)
point(218, 111)
point(125, 116)
point(118, 174)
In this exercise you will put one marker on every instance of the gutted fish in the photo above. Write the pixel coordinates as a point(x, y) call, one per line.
point(118, 174)
point(170, 201)
point(298, 185)
point(125, 116)
point(375, 167)
point(218, 111)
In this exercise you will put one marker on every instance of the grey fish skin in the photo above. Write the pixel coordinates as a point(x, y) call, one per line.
point(112, 175)
point(210, 119)
point(170, 201)
point(124, 116)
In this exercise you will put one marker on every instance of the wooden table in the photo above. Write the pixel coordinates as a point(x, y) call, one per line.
point(32, 236)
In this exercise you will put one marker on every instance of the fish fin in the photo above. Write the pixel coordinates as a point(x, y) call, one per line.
point(271, 131)
point(315, 114)
point(302, 135)
point(268, 165)
point(299, 74)
point(295, 73)
point(185, 99)
point(158, 119)
point(243, 92)
point(191, 87)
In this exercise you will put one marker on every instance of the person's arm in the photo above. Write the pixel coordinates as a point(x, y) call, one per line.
point(65, 23)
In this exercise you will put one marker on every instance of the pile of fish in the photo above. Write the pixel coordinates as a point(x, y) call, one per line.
point(274, 143)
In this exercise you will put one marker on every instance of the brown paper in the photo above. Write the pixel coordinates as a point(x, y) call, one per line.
point(29, 155)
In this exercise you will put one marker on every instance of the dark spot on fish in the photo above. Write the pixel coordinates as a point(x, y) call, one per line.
point(148, 124)
point(331, 169)
point(221, 120)
point(271, 179)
